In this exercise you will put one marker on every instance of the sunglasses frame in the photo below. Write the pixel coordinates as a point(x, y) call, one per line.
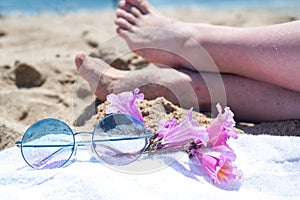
point(76, 144)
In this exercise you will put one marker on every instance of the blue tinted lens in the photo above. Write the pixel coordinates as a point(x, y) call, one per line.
point(119, 139)
point(48, 143)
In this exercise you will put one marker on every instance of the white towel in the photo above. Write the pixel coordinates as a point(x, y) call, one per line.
point(270, 165)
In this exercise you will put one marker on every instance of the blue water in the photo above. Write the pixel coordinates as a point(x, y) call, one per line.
point(63, 6)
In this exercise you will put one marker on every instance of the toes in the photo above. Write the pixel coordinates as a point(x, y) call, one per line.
point(93, 71)
point(122, 4)
point(130, 8)
point(120, 31)
point(126, 15)
point(136, 12)
point(123, 23)
point(142, 5)
point(80, 57)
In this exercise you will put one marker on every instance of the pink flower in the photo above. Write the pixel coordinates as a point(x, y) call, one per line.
point(217, 163)
point(174, 135)
point(216, 156)
point(125, 102)
point(221, 128)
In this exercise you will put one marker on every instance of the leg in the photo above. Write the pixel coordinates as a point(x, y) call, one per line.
point(269, 54)
point(249, 99)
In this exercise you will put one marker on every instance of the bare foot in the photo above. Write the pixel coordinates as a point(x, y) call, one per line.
point(177, 87)
point(189, 89)
point(151, 35)
point(100, 76)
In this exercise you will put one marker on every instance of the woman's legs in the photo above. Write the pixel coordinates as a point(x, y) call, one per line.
point(263, 59)
point(249, 99)
point(269, 54)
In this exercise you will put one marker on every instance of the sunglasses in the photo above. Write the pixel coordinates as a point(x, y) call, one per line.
point(117, 139)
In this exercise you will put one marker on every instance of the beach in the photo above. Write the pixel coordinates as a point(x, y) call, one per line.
point(38, 72)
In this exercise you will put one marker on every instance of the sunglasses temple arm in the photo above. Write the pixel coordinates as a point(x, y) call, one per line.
point(53, 154)
point(19, 143)
point(123, 139)
point(149, 134)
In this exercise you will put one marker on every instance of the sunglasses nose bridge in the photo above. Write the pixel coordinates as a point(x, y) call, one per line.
point(85, 138)
point(82, 132)
point(84, 141)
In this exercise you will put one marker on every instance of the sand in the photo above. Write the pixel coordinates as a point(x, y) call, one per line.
point(37, 70)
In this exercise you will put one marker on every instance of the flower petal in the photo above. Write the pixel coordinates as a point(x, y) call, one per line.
point(125, 102)
point(228, 172)
point(174, 135)
point(221, 128)
point(218, 166)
